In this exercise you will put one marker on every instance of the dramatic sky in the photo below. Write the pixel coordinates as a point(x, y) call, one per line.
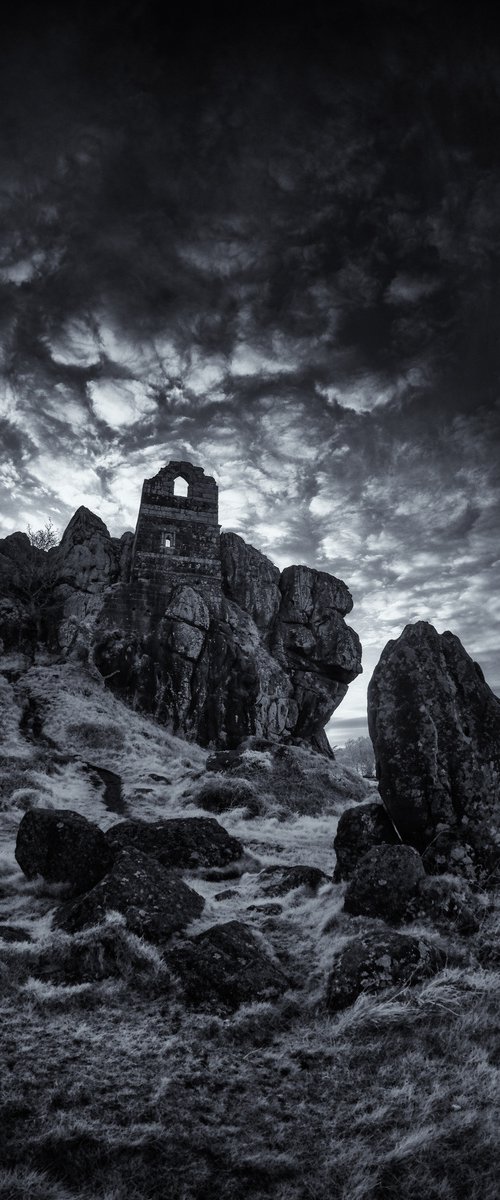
point(271, 246)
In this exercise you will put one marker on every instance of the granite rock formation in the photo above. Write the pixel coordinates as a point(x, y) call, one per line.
point(374, 961)
point(195, 627)
point(155, 902)
point(385, 882)
point(435, 728)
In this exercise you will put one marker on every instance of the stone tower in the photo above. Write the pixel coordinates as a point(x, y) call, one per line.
point(178, 536)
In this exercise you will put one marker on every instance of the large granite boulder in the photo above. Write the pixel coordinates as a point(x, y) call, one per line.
point(385, 882)
point(358, 830)
point(435, 728)
point(62, 847)
point(155, 902)
point(278, 880)
point(226, 966)
point(374, 961)
point(251, 580)
point(178, 842)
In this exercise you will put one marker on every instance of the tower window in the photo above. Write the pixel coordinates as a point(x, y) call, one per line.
point(180, 486)
point(167, 543)
point(167, 540)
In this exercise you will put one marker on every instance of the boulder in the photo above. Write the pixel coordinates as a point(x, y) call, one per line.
point(435, 728)
point(385, 882)
point(374, 961)
point(448, 902)
point(218, 796)
point(154, 902)
point(62, 847)
point(182, 842)
point(358, 830)
point(226, 966)
point(278, 880)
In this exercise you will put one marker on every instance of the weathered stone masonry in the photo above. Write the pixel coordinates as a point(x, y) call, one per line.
point(178, 537)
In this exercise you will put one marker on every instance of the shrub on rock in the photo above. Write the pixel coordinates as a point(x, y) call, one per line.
point(225, 966)
point(278, 880)
point(374, 961)
point(184, 842)
point(385, 882)
point(62, 847)
point(154, 902)
point(358, 830)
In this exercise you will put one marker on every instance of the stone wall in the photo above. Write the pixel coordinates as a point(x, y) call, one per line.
point(177, 537)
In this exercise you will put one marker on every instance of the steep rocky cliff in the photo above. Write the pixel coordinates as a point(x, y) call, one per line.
point(263, 653)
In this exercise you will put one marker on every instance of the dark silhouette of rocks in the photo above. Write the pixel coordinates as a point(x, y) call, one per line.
point(358, 830)
point(195, 627)
point(435, 728)
point(385, 882)
point(62, 847)
point(374, 961)
point(182, 842)
point(226, 966)
point(155, 902)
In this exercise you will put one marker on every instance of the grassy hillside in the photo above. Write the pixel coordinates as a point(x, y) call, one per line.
point(112, 1089)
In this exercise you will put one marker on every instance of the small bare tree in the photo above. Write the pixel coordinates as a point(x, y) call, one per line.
point(45, 538)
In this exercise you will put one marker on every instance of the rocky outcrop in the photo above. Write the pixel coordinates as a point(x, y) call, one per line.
point(62, 847)
point(435, 728)
point(155, 902)
point(226, 966)
point(374, 961)
point(218, 648)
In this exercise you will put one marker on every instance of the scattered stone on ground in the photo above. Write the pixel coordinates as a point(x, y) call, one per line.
point(219, 796)
point(385, 882)
point(226, 966)
point(278, 880)
point(374, 961)
point(360, 828)
point(183, 842)
point(448, 902)
point(155, 902)
point(62, 847)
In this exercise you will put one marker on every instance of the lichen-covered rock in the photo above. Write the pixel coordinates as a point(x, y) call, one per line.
point(448, 902)
point(278, 880)
point(385, 882)
point(155, 902)
point(182, 842)
point(358, 830)
point(226, 966)
point(435, 728)
point(62, 847)
point(374, 961)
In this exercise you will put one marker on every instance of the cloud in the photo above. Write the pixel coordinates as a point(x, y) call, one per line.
point(278, 258)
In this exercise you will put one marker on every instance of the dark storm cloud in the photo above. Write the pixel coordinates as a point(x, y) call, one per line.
point(277, 255)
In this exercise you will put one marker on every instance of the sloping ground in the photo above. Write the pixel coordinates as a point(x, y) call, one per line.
point(112, 1089)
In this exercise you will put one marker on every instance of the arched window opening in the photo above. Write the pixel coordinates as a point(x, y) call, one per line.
point(180, 486)
point(167, 542)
